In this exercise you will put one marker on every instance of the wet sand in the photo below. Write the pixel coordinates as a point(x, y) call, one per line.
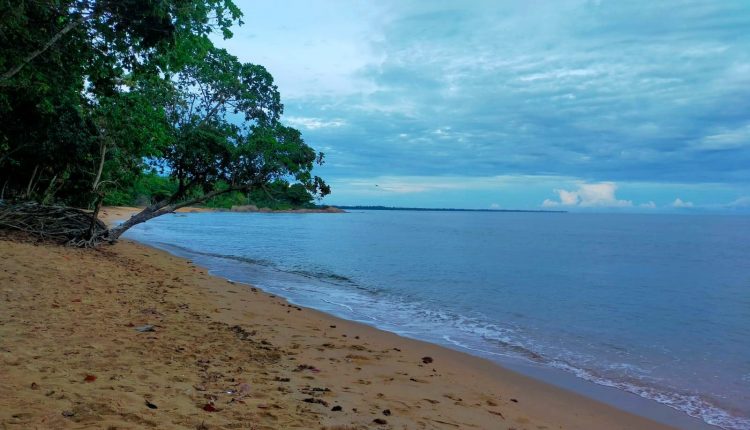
point(127, 336)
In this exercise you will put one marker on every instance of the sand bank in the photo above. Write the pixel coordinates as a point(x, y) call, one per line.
point(127, 336)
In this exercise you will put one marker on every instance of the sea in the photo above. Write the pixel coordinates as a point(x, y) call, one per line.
point(648, 312)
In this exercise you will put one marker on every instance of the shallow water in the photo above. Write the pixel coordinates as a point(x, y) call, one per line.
point(656, 305)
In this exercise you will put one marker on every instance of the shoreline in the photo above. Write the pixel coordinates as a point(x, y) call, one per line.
point(285, 366)
point(567, 382)
point(611, 396)
point(126, 211)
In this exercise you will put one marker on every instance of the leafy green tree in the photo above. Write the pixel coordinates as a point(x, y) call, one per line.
point(93, 93)
point(65, 62)
point(212, 152)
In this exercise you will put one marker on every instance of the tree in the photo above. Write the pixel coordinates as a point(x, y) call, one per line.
point(93, 93)
point(64, 61)
point(224, 119)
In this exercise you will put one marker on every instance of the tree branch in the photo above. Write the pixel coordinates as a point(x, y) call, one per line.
point(102, 157)
point(29, 58)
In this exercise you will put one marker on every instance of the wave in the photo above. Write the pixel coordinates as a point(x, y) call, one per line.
point(319, 275)
point(694, 405)
point(473, 334)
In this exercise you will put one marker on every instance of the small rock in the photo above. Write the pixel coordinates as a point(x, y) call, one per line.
point(380, 421)
point(314, 400)
point(427, 360)
point(243, 389)
point(68, 413)
point(336, 408)
point(387, 412)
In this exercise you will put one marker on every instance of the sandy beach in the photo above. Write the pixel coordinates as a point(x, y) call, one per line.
point(127, 336)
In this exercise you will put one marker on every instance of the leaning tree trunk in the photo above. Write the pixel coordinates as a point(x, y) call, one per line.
point(146, 214)
point(76, 227)
point(161, 208)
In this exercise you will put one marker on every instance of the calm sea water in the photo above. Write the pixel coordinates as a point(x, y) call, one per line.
point(656, 305)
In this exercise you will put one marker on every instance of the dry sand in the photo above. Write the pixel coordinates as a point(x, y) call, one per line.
point(229, 356)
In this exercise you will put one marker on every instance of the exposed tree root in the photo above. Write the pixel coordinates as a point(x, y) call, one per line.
point(62, 224)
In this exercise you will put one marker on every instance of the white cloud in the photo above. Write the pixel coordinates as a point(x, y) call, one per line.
point(649, 205)
point(726, 139)
point(568, 197)
point(418, 184)
point(494, 206)
point(560, 74)
point(742, 202)
point(589, 195)
point(313, 123)
point(679, 203)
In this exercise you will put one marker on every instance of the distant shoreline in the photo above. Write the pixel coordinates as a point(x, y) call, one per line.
point(335, 209)
point(392, 208)
point(126, 212)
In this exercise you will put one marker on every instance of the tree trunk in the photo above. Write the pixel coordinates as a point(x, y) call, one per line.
point(54, 190)
point(48, 192)
point(95, 215)
point(102, 156)
point(159, 209)
point(31, 181)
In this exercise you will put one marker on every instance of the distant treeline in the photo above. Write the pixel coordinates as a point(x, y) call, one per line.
point(393, 208)
point(151, 187)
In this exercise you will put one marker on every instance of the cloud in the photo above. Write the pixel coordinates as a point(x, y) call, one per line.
point(589, 195)
point(422, 184)
point(742, 202)
point(679, 203)
point(736, 138)
point(629, 92)
point(313, 123)
point(520, 192)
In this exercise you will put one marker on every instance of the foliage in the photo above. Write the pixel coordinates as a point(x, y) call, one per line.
point(151, 187)
point(147, 189)
point(278, 195)
point(95, 93)
point(68, 72)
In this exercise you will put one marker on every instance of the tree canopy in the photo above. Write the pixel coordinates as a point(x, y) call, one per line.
point(95, 94)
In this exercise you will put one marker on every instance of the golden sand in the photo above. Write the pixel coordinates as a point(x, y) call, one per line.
point(228, 356)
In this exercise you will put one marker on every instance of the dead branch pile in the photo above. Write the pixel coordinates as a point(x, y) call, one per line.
point(58, 223)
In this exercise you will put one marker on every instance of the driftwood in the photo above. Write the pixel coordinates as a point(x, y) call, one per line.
point(70, 226)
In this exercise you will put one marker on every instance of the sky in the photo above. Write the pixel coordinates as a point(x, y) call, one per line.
point(582, 105)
